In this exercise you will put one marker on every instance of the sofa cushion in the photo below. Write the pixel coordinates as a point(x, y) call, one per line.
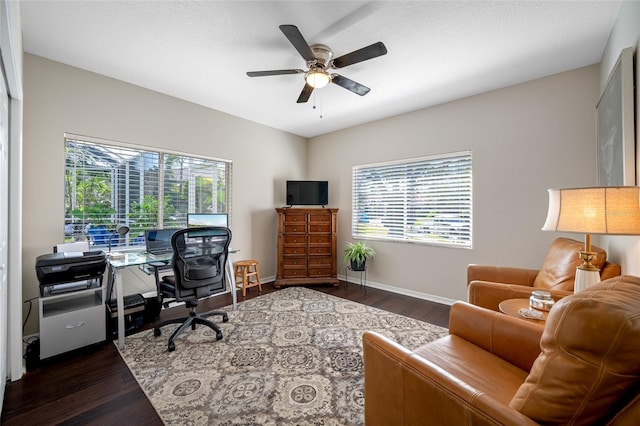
point(589, 358)
point(559, 267)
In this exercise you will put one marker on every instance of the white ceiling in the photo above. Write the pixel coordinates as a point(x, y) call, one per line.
point(200, 51)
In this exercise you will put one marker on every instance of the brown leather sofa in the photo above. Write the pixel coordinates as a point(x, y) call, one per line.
point(487, 286)
point(581, 368)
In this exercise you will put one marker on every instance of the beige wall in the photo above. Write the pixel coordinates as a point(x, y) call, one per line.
point(60, 99)
point(525, 139)
point(626, 33)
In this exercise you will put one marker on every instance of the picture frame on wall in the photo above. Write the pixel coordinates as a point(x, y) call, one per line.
point(615, 126)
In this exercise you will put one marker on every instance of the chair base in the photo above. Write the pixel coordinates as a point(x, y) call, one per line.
point(190, 321)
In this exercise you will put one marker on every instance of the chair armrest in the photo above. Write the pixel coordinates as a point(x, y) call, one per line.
point(512, 339)
point(501, 274)
point(610, 270)
point(489, 294)
point(402, 388)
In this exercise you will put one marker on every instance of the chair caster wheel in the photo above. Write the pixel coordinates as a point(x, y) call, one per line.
point(218, 336)
point(225, 318)
point(157, 332)
point(171, 347)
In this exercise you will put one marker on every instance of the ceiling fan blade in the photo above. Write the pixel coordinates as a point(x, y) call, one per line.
point(305, 94)
point(272, 72)
point(348, 84)
point(295, 37)
point(372, 51)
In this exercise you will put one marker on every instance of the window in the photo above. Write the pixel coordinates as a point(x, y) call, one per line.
point(107, 185)
point(423, 200)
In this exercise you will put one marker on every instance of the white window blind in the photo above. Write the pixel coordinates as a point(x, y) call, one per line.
point(107, 185)
point(425, 200)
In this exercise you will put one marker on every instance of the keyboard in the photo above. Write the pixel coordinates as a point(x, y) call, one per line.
point(162, 252)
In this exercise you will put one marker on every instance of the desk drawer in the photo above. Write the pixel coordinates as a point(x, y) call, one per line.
point(320, 260)
point(72, 330)
point(295, 218)
point(294, 250)
point(314, 250)
point(300, 262)
point(314, 217)
point(320, 271)
point(298, 228)
point(319, 239)
point(294, 272)
point(295, 239)
point(320, 228)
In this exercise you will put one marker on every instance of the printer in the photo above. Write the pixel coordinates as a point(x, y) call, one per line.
point(70, 271)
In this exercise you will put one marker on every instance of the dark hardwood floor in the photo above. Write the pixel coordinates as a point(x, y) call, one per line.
point(94, 386)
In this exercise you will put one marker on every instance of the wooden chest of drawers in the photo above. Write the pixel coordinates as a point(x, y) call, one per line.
point(307, 246)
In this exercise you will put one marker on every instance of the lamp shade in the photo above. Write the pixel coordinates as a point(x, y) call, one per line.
point(122, 230)
point(598, 210)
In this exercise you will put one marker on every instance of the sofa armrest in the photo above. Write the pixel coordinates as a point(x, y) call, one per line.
point(384, 362)
point(501, 274)
point(402, 389)
point(512, 339)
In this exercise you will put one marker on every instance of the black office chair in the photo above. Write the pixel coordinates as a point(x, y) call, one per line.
point(199, 258)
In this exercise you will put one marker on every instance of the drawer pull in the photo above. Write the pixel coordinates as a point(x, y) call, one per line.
point(76, 325)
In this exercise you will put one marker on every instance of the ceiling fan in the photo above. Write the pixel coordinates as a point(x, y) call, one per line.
point(320, 62)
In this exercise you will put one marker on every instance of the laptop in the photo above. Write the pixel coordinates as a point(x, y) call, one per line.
point(158, 241)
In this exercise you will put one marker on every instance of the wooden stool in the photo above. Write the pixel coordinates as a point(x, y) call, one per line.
point(246, 275)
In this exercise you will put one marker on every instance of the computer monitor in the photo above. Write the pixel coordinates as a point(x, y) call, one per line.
point(195, 220)
point(158, 240)
point(207, 219)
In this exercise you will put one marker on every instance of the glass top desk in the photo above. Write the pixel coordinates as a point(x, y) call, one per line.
point(136, 258)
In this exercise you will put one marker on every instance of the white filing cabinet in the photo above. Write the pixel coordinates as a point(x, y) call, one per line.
point(71, 320)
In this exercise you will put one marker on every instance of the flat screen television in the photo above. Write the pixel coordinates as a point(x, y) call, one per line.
point(307, 192)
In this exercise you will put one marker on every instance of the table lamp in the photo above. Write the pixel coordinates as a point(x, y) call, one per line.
point(120, 230)
point(611, 210)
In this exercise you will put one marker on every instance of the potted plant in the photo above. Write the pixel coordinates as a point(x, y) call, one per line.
point(356, 255)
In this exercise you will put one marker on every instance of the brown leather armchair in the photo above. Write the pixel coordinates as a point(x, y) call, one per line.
point(581, 368)
point(487, 286)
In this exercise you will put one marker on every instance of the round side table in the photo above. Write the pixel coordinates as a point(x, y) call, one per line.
point(512, 307)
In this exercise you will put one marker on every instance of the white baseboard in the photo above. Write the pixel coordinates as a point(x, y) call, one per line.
point(356, 280)
point(398, 290)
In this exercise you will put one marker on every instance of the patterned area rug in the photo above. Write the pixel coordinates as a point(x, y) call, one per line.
point(291, 357)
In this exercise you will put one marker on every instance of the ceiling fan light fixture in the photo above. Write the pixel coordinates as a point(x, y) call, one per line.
point(317, 78)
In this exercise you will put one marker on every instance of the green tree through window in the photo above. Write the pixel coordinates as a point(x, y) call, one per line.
point(108, 184)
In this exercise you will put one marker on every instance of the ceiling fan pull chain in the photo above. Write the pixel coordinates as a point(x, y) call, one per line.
point(314, 103)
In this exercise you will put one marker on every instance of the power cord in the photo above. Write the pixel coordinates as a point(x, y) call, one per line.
point(28, 312)
point(32, 352)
